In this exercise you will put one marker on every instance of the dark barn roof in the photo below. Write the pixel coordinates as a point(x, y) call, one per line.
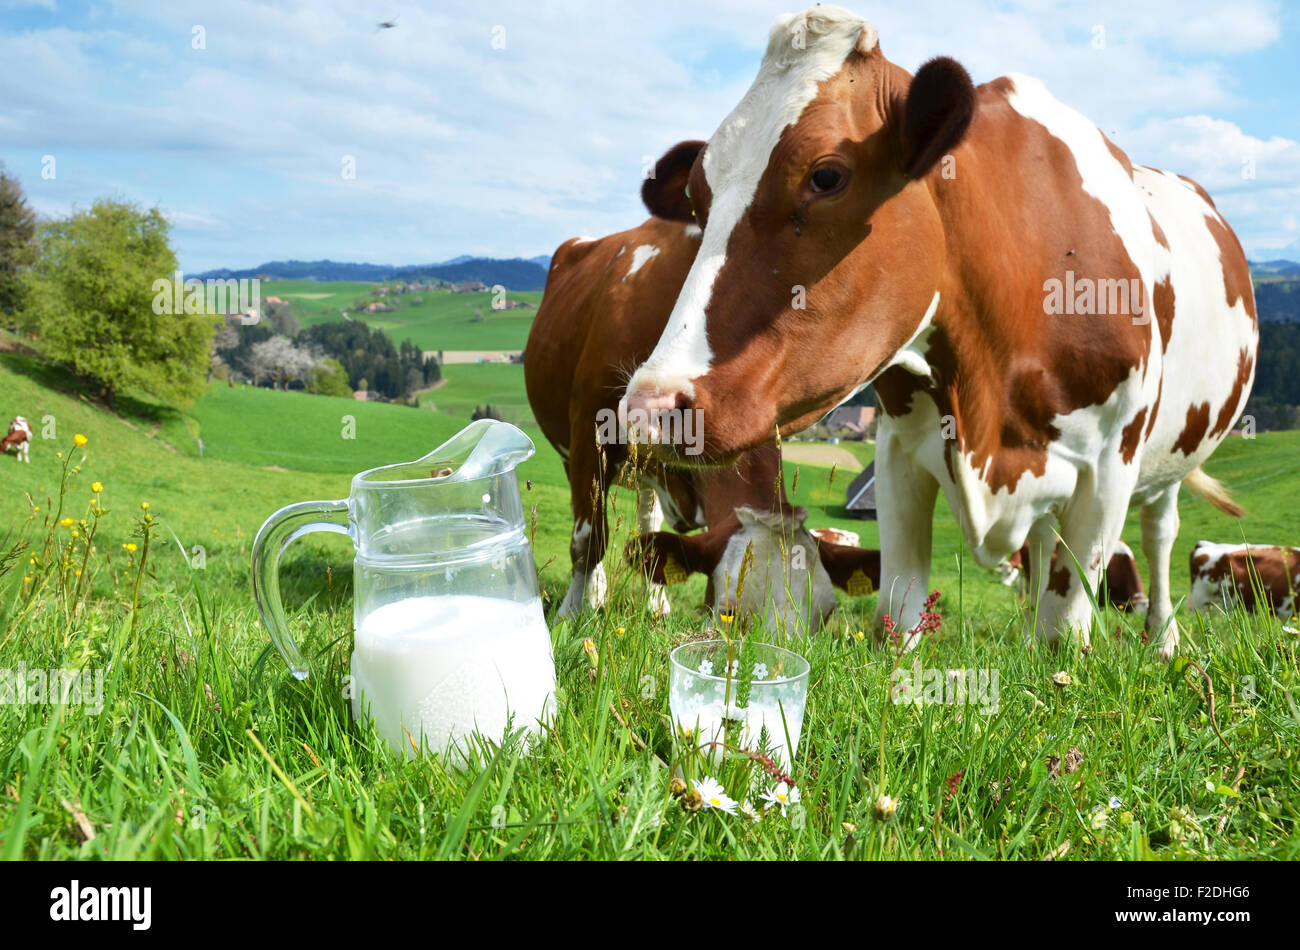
point(861, 497)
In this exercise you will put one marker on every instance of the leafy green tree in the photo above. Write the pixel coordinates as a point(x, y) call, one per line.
point(17, 242)
point(329, 379)
point(94, 306)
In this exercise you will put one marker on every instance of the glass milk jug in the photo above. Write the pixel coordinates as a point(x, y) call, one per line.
point(450, 637)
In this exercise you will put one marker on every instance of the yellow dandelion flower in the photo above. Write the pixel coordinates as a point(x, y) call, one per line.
point(589, 647)
point(27, 580)
point(726, 617)
point(80, 439)
point(620, 631)
point(97, 487)
point(859, 636)
point(130, 546)
point(68, 522)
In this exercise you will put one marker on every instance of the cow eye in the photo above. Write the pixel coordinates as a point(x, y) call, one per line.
point(826, 179)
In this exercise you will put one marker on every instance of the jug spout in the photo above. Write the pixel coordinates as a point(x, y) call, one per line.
point(483, 449)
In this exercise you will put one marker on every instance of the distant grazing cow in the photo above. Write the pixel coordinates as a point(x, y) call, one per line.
point(605, 304)
point(1053, 332)
point(1222, 574)
point(1123, 582)
point(19, 439)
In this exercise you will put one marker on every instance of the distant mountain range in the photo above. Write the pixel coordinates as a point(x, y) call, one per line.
point(1275, 268)
point(513, 274)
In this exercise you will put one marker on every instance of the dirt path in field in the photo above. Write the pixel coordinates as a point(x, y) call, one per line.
point(472, 356)
point(819, 453)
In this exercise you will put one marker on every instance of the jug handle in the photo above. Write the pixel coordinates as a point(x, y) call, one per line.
point(280, 530)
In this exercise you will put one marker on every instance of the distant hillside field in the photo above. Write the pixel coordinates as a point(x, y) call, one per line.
point(512, 272)
point(468, 385)
point(442, 321)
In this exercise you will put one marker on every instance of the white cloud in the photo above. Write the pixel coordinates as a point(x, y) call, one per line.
point(461, 146)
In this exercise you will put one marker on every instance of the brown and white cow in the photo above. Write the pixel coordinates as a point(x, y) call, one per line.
point(606, 302)
point(1124, 589)
point(19, 438)
point(1054, 332)
point(1223, 574)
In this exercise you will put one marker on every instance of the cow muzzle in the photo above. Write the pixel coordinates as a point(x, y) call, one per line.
point(662, 417)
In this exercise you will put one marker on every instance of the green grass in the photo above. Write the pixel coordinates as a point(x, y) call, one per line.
point(443, 321)
point(473, 384)
point(206, 746)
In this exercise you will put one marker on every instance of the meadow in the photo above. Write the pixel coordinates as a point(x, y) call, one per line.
point(205, 746)
point(441, 321)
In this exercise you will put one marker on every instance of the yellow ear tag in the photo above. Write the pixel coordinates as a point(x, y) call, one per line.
point(674, 573)
point(859, 584)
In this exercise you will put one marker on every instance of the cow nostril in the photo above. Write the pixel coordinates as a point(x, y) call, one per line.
point(682, 402)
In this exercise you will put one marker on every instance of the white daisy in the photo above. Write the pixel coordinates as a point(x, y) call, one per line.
point(715, 796)
point(885, 808)
point(783, 795)
point(749, 811)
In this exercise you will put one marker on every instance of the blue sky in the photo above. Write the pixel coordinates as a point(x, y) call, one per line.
point(503, 129)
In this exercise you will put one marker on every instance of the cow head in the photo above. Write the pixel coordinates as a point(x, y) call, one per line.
point(789, 566)
point(784, 580)
point(822, 252)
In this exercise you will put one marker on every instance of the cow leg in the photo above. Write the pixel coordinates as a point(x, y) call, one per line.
point(650, 518)
point(1159, 531)
point(1089, 528)
point(587, 488)
point(905, 495)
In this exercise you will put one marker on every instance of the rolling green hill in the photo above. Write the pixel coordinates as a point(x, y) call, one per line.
point(443, 321)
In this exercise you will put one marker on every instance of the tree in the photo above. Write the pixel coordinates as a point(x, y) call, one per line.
point(92, 305)
point(280, 317)
point(279, 361)
point(329, 379)
point(18, 246)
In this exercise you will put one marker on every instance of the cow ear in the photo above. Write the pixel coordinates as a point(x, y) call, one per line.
point(843, 562)
point(939, 107)
point(664, 554)
point(700, 553)
point(664, 192)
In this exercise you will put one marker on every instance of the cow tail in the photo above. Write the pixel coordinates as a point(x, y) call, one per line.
point(1212, 490)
